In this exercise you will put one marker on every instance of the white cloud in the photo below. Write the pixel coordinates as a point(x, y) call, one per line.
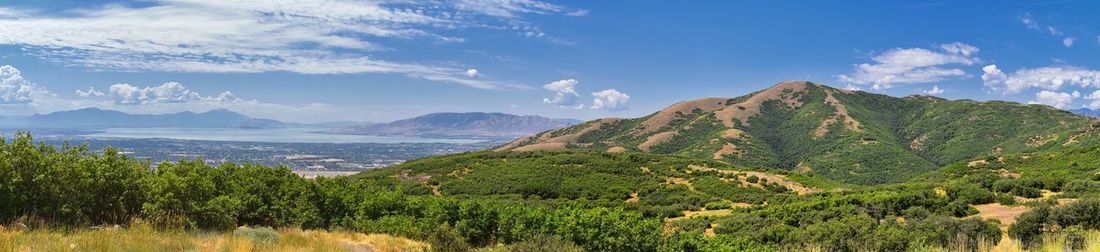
point(249, 36)
point(913, 65)
point(934, 91)
point(169, 92)
point(13, 88)
point(1095, 97)
point(162, 99)
point(1068, 42)
point(565, 94)
point(1058, 100)
point(1046, 78)
point(472, 73)
point(91, 92)
point(610, 99)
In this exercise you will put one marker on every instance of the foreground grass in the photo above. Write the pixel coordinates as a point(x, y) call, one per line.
point(140, 238)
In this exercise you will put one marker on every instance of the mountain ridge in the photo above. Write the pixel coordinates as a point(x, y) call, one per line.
point(95, 118)
point(480, 125)
point(850, 136)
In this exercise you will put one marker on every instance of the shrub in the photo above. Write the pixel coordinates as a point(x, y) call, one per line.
point(446, 239)
point(715, 205)
point(544, 243)
point(1006, 199)
point(259, 235)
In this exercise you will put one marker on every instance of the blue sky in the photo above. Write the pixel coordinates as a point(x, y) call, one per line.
point(330, 60)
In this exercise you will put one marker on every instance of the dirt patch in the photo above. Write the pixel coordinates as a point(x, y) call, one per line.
point(1005, 214)
point(918, 143)
point(633, 198)
point(1036, 141)
point(1072, 140)
point(841, 114)
point(728, 149)
point(680, 181)
point(665, 116)
point(656, 139)
point(645, 169)
point(803, 168)
point(751, 106)
point(772, 178)
point(540, 146)
point(1008, 174)
point(733, 134)
point(547, 140)
point(418, 178)
point(976, 163)
point(616, 149)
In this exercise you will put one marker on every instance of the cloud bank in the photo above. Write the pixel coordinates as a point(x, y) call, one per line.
point(252, 36)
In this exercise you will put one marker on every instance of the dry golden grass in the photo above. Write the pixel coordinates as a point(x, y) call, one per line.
point(143, 238)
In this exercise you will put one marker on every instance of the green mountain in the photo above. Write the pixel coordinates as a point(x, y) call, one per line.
point(848, 136)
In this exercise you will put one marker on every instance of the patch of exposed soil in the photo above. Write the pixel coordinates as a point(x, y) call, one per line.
point(656, 139)
point(751, 106)
point(665, 116)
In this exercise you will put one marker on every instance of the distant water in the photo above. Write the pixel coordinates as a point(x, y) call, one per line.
point(284, 135)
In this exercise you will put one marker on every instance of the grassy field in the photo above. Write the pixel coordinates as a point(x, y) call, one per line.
point(142, 238)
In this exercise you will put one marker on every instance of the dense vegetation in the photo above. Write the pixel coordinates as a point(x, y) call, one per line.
point(889, 140)
point(45, 186)
point(563, 199)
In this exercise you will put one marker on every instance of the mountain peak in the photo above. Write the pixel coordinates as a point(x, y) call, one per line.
point(807, 127)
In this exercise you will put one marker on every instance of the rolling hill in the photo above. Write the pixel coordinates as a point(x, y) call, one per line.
point(849, 136)
point(461, 125)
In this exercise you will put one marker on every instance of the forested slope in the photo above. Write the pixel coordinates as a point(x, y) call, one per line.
point(850, 136)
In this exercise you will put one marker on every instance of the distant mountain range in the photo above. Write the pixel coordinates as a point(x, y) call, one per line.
point(94, 118)
point(461, 125)
point(1086, 111)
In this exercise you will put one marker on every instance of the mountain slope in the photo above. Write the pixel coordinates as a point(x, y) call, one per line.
point(849, 136)
point(461, 125)
point(99, 118)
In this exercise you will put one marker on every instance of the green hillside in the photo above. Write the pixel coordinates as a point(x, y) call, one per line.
point(849, 136)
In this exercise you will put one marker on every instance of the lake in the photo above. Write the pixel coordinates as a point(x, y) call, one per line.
point(283, 135)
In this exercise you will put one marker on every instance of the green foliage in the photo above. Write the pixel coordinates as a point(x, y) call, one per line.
point(544, 243)
point(446, 239)
point(897, 138)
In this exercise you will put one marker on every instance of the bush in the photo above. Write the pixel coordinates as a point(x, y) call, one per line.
point(544, 243)
point(753, 179)
point(1006, 199)
point(258, 235)
point(446, 239)
point(1029, 226)
point(715, 205)
point(971, 194)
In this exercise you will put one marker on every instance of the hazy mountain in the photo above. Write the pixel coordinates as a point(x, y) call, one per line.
point(851, 136)
point(92, 118)
point(461, 125)
point(1086, 111)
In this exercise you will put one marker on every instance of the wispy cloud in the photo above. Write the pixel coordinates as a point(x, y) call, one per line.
point(250, 36)
point(913, 65)
point(1032, 24)
point(934, 91)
